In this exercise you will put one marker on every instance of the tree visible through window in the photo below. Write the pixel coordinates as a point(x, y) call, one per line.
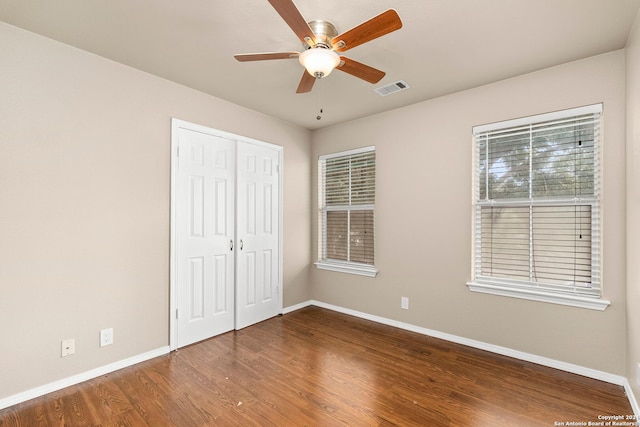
point(537, 204)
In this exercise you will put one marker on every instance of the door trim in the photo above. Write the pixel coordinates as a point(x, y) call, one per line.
point(177, 124)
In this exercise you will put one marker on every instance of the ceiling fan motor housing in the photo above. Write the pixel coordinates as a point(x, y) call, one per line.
point(324, 31)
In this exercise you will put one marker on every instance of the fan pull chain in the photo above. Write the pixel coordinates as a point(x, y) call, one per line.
point(319, 116)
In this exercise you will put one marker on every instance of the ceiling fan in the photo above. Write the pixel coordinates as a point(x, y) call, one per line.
point(322, 43)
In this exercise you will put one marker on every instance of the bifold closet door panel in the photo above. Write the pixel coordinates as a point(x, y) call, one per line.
point(206, 229)
point(257, 257)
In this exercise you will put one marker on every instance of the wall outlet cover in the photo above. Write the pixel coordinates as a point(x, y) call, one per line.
point(106, 337)
point(404, 303)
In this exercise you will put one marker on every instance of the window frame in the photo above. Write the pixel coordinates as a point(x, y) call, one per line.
point(323, 262)
point(525, 290)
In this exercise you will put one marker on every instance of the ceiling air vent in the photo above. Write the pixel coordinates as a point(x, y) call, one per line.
point(392, 88)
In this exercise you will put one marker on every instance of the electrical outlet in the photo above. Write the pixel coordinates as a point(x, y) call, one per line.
point(404, 303)
point(68, 347)
point(106, 337)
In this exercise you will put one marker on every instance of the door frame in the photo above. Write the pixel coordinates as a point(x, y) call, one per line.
point(177, 124)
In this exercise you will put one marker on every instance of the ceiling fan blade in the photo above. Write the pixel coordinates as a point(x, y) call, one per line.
point(306, 83)
point(375, 27)
point(360, 70)
point(294, 19)
point(244, 57)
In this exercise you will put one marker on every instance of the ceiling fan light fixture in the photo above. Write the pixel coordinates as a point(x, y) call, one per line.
point(319, 61)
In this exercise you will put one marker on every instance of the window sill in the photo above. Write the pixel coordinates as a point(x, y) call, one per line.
point(542, 296)
point(347, 267)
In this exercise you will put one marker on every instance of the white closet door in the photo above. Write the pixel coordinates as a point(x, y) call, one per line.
point(257, 256)
point(204, 224)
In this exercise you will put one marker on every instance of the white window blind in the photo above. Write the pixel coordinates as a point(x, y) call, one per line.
point(347, 206)
point(537, 204)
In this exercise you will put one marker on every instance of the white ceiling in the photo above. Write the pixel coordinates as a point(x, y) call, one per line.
point(444, 46)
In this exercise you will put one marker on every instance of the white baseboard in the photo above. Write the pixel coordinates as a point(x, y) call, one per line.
point(545, 361)
point(291, 308)
point(76, 379)
point(632, 399)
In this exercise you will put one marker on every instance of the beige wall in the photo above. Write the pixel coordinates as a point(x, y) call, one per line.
point(633, 206)
point(84, 213)
point(423, 217)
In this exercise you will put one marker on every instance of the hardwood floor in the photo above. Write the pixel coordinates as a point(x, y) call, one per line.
point(315, 367)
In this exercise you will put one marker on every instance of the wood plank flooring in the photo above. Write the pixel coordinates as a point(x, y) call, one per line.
point(315, 367)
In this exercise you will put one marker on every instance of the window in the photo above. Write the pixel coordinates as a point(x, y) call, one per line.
point(537, 211)
point(346, 203)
